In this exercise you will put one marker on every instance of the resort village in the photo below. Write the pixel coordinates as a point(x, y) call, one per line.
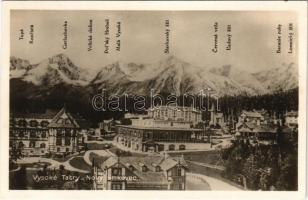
point(167, 148)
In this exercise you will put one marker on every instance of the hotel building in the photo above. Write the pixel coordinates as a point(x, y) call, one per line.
point(37, 134)
point(164, 128)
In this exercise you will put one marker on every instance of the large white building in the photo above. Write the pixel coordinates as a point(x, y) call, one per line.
point(164, 128)
point(176, 113)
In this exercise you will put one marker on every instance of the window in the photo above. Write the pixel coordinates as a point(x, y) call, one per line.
point(33, 134)
point(157, 168)
point(32, 144)
point(67, 121)
point(67, 133)
point(67, 149)
point(22, 123)
point(33, 123)
point(43, 135)
point(59, 141)
point(58, 149)
point(42, 145)
point(21, 134)
point(144, 168)
point(20, 144)
point(178, 171)
point(131, 168)
point(182, 147)
point(116, 172)
point(116, 186)
point(171, 147)
point(44, 123)
point(67, 141)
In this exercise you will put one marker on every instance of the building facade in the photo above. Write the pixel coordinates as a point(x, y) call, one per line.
point(255, 117)
point(165, 129)
point(140, 173)
point(30, 132)
point(263, 133)
point(176, 113)
point(37, 134)
point(258, 127)
point(67, 133)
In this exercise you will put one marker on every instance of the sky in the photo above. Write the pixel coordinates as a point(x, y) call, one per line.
point(253, 41)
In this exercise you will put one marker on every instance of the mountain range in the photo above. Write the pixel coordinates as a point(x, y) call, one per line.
point(170, 75)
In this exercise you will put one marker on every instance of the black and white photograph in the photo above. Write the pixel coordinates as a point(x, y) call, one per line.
point(194, 100)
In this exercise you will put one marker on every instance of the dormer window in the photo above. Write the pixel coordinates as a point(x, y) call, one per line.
point(131, 168)
point(157, 169)
point(178, 171)
point(33, 123)
point(67, 121)
point(116, 172)
point(22, 123)
point(44, 123)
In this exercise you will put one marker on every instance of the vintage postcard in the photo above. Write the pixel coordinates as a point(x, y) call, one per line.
point(166, 96)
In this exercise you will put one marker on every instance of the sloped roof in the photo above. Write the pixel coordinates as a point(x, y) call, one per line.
point(149, 161)
point(76, 120)
point(150, 176)
point(255, 128)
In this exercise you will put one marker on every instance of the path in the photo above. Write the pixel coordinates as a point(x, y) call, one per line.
point(194, 182)
point(54, 164)
point(206, 165)
point(104, 153)
point(214, 184)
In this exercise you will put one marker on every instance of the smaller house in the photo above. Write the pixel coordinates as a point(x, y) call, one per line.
point(262, 133)
point(140, 173)
point(252, 117)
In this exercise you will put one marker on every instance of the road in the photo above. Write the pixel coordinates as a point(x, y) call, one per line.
point(213, 183)
point(54, 164)
point(104, 153)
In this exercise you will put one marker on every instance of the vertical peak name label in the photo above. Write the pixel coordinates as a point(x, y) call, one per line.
point(279, 35)
point(107, 36)
point(65, 33)
point(31, 34)
point(285, 38)
point(90, 36)
point(22, 34)
point(229, 37)
point(290, 37)
point(215, 37)
point(167, 36)
point(118, 35)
